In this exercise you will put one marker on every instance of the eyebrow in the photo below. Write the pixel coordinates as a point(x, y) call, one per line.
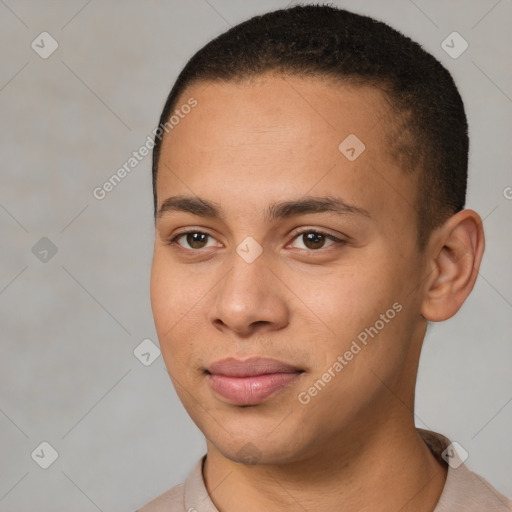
point(278, 210)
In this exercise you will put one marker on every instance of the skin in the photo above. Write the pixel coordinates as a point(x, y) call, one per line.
point(272, 139)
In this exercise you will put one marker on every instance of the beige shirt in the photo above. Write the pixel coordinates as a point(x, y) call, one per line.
point(463, 490)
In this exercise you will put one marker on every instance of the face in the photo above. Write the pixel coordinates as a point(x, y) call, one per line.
point(285, 276)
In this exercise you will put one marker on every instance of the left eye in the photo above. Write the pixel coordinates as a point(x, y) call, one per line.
point(315, 239)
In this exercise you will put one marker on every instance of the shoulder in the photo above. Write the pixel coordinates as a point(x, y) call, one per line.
point(170, 501)
point(464, 491)
point(467, 491)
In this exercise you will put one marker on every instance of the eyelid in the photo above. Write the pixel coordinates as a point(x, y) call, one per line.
point(297, 234)
point(314, 229)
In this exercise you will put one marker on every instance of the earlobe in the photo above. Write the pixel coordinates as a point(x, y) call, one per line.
point(457, 251)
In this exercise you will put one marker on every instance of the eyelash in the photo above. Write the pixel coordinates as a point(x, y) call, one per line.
point(339, 241)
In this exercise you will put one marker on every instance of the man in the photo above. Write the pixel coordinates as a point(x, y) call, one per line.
point(309, 180)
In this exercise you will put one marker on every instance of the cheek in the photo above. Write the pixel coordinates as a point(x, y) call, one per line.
point(177, 301)
point(168, 303)
point(348, 299)
point(162, 297)
point(360, 305)
point(173, 292)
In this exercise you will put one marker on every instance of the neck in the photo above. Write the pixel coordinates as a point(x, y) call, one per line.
point(369, 469)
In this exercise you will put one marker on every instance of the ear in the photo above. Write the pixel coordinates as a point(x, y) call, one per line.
point(455, 251)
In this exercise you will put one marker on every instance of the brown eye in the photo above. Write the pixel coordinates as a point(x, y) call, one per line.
point(196, 240)
point(193, 240)
point(315, 240)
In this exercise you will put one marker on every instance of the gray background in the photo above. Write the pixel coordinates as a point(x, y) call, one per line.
point(69, 325)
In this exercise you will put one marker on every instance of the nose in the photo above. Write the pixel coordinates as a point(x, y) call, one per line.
point(249, 300)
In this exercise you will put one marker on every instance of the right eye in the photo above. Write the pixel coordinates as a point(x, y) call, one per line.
point(194, 239)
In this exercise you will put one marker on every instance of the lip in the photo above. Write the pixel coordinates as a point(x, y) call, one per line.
point(250, 381)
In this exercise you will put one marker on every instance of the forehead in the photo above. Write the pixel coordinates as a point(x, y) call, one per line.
point(275, 136)
point(296, 109)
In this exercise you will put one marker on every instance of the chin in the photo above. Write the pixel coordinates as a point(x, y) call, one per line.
point(257, 451)
point(257, 441)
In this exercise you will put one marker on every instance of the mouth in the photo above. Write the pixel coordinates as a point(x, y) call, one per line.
point(251, 381)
